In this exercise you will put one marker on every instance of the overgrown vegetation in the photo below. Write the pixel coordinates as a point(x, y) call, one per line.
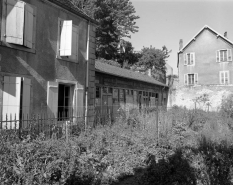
point(194, 147)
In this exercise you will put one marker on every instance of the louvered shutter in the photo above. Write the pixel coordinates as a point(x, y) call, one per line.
point(26, 100)
point(193, 58)
point(229, 55)
point(66, 38)
point(15, 22)
point(195, 78)
point(227, 77)
point(11, 101)
point(221, 77)
point(28, 30)
point(185, 79)
point(185, 59)
point(52, 98)
point(217, 56)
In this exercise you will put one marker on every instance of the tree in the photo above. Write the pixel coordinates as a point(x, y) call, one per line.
point(116, 21)
point(154, 58)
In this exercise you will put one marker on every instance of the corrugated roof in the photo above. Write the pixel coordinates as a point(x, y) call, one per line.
point(117, 71)
point(68, 5)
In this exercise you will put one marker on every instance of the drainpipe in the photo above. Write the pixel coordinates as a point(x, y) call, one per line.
point(87, 75)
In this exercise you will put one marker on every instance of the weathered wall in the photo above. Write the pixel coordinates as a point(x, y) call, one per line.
point(205, 47)
point(186, 96)
point(43, 65)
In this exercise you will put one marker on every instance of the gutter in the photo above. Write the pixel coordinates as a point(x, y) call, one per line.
point(87, 75)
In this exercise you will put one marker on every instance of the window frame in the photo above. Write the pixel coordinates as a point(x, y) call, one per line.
point(224, 77)
point(195, 78)
point(3, 30)
point(186, 62)
point(218, 55)
point(65, 58)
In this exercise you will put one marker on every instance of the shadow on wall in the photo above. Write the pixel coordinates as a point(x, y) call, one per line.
point(173, 170)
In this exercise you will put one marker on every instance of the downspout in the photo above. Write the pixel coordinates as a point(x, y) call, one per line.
point(87, 75)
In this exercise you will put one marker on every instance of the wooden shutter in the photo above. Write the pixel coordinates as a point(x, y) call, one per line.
point(185, 79)
point(15, 22)
point(195, 78)
point(227, 77)
point(217, 56)
point(52, 98)
point(229, 55)
point(185, 59)
point(28, 30)
point(66, 38)
point(221, 77)
point(75, 36)
point(193, 58)
point(11, 100)
point(79, 100)
point(26, 100)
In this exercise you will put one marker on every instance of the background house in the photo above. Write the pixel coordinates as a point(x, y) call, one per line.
point(205, 70)
point(47, 54)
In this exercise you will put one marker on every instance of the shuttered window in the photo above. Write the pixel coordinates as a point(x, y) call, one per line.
point(20, 18)
point(69, 36)
point(224, 55)
point(189, 58)
point(191, 79)
point(224, 77)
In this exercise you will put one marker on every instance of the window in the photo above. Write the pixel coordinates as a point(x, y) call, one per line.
point(68, 40)
point(16, 99)
point(224, 77)
point(18, 23)
point(191, 79)
point(189, 59)
point(224, 55)
point(97, 92)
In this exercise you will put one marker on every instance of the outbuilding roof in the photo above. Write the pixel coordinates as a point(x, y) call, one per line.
point(125, 73)
point(210, 29)
point(68, 5)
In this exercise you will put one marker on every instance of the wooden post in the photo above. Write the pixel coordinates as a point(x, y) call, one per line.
point(157, 122)
point(67, 139)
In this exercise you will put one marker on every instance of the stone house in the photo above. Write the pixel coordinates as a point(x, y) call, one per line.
point(47, 58)
point(205, 70)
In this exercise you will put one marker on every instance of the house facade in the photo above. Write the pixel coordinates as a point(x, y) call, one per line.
point(122, 88)
point(205, 70)
point(47, 56)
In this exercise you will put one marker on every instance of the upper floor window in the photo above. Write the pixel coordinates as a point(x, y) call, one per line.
point(223, 55)
point(224, 77)
point(191, 79)
point(189, 58)
point(68, 40)
point(18, 23)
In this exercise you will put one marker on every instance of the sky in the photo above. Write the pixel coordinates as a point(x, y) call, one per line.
point(165, 22)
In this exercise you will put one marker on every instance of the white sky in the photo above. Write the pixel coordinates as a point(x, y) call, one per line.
point(165, 22)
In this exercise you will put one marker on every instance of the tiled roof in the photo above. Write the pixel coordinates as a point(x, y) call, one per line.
point(68, 5)
point(125, 73)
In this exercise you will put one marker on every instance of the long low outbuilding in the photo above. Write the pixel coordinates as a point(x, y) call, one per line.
point(122, 88)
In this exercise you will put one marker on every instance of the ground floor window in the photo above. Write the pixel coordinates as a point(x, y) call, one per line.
point(224, 77)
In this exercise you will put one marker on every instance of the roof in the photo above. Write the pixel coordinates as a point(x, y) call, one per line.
point(210, 29)
point(68, 5)
point(125, 73)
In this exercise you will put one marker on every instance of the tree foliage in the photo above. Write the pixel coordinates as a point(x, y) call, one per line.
point(154, 58)
point(116, 21)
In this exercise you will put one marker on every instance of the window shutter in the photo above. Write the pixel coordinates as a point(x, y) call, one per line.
point(26, 100)
point(185, 59)
point(52, 98)
point(185, 79)
point(217, 56)
point(28, 30)
point(11, 100)
point(195, 78)
point(15, 22)
point(193, 58)
point(227, 77)
point(229, 55)
point(221, 77)
point(79, 100)
point(74, 55)
point(66, 38)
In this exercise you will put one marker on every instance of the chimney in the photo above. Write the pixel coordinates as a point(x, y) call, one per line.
point(181, 44)
point(225, 34)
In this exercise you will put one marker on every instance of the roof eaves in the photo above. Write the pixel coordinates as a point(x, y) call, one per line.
point(205, 27)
